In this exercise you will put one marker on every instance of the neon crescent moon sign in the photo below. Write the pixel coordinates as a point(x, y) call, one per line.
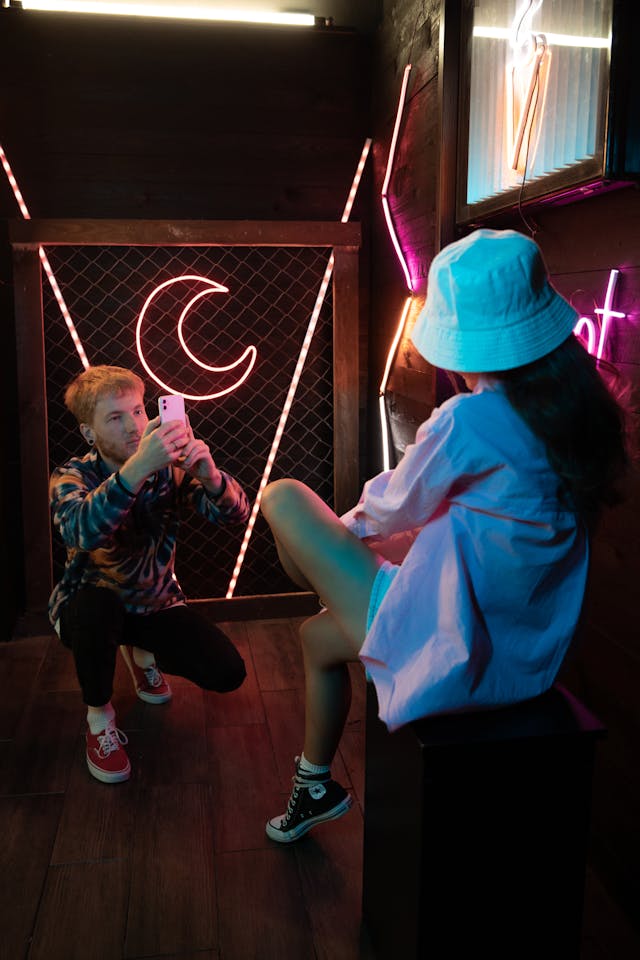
point(248, 357)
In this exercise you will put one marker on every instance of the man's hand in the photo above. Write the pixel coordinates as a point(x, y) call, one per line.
point(196, 460)
point(161, 445)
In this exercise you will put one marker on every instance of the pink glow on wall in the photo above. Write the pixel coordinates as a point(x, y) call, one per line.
point(211, 286)
point(606, 315)
point(44, 260)
point(297, 373)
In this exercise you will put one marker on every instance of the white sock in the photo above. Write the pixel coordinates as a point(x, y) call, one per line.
point(143, 658)
point(99, 718)
point(305, 766)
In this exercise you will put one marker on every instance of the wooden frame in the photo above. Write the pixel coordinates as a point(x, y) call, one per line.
point(26, 237)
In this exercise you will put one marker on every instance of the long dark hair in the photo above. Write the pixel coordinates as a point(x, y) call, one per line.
point(565, 402)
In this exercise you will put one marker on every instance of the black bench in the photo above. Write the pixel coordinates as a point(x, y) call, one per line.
point(476, 831)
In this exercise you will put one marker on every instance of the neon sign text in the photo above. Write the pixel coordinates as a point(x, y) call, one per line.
point(606, 314)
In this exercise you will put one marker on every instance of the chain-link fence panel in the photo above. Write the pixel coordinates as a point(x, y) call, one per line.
point(272, 293)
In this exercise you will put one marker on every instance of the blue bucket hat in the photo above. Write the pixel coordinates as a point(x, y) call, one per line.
point(490, 305)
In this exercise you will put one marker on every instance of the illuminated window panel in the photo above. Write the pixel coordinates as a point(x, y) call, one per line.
point(536, 83)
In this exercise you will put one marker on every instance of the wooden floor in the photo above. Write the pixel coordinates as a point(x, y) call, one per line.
point(175, 862)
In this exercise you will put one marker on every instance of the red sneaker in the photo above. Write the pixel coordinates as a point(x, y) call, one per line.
point(106, 759)
point(150, 684)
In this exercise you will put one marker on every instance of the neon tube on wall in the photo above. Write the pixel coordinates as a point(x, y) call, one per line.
point(302, 356)
point(45, 262)
point(606, 314)
point(386, 454)
point(385, 185)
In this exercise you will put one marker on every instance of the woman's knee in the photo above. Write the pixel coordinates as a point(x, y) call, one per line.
point(323, 642)
point(279, 495)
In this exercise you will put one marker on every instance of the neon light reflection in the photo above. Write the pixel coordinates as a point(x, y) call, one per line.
point(302, 356)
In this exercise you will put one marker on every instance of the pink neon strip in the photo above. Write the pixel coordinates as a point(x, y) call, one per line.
point(302, 356)
point(14, 186)
point(211, 286)
point(44, 260)
point(53, 283)
point(385, 185)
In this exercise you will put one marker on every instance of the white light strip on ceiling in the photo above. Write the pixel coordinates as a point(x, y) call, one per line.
point(175, 11)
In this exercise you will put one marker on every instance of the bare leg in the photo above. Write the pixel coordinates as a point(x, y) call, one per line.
point(316, 549)
point(327, 688)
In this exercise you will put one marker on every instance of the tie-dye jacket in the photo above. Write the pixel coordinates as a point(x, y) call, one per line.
point(124, 542)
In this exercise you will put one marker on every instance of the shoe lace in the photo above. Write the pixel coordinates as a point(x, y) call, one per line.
point(110, 741)
point(299, 784)
point(153, 676)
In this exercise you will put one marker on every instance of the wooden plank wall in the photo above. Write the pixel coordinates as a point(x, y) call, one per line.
point(582, 242)
point(127, 118)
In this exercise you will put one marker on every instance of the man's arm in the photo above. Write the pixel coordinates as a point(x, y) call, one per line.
point(220, 497)
point(86, 509)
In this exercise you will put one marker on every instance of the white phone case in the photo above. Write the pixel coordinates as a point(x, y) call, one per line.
point(171, 407)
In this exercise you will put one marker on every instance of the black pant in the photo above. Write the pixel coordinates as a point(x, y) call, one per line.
point(94, 623)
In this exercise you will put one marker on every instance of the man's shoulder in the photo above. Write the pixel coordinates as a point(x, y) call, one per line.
point(84, 468)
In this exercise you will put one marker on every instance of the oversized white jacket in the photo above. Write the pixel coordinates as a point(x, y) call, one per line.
point(486, 601)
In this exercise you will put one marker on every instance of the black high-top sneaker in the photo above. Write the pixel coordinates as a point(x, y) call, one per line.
point(314, 799)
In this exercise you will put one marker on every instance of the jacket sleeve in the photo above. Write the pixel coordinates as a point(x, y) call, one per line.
point(231, 507)
point(405, 498)
point(85, 515)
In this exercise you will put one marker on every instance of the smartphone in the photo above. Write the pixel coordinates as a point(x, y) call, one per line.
point(171, 407)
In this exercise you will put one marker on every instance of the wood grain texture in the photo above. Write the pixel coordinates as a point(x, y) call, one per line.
point(29, 827)
point(183, 870)
point(76, 899)
point(243, 705)
point(39, 757)
point(245, 788)
point(275, 648)
point(31, 233)
point(172, 901)
point(20, 664)
point(277, 925)
point(330, 872)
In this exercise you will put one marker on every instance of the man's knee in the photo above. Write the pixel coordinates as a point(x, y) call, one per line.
point(94, 615)
point(228, 678)
point(225, 669)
